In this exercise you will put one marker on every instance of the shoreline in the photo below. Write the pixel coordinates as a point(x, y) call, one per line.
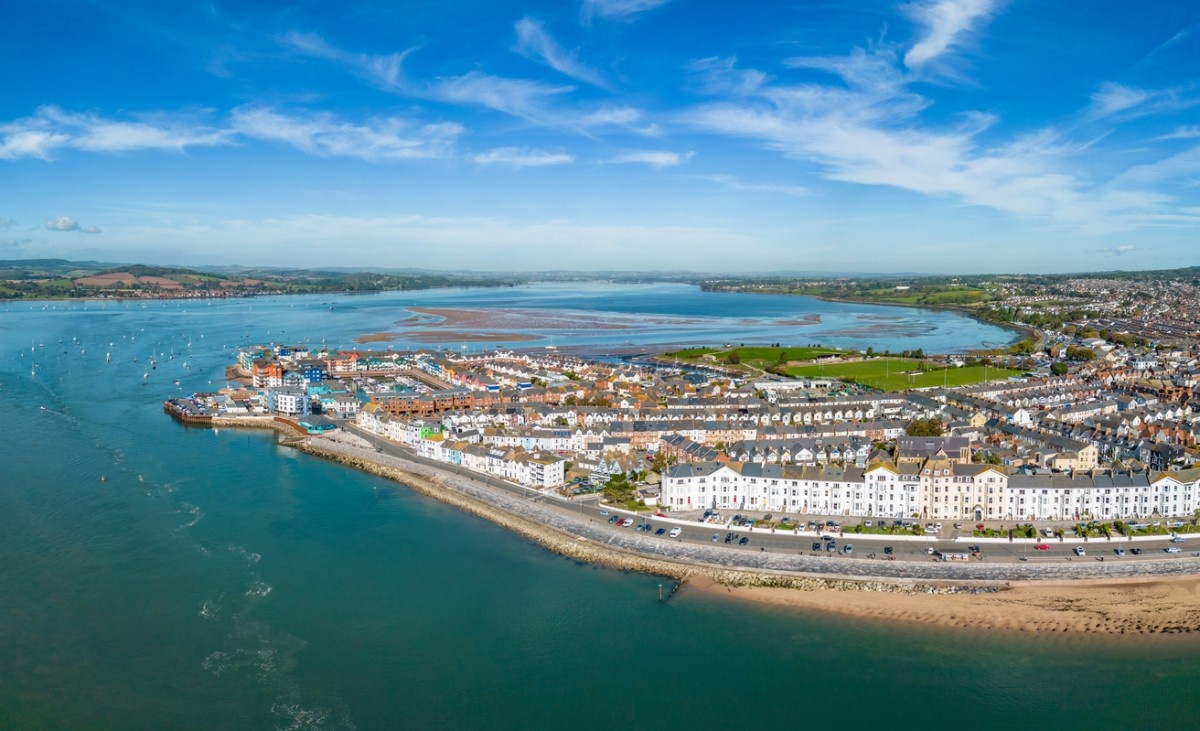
point(1138, 607)
point(1111, 606)
point(1025, 332)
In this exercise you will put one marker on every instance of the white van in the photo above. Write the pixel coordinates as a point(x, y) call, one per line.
point(675, 532)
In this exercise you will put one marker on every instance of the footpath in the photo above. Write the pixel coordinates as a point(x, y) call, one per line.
point(553, 525)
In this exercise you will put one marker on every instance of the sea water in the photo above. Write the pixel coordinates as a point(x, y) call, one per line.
point(157, 576)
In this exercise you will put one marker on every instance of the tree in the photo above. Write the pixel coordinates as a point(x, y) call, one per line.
point(1059, 368)
point(733, 358)
point(924, 428)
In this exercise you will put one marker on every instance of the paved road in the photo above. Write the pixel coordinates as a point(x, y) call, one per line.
point(786, 552)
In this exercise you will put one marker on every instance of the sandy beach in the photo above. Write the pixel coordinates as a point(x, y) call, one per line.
point(1127, 607)
point(448, 336)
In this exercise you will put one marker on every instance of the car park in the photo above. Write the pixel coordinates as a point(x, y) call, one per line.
point(675, 532)
point(1079, 551)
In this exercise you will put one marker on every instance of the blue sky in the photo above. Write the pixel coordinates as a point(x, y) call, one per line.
point(933, 135)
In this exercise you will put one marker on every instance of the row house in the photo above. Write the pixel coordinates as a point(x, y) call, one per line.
point(938, 490)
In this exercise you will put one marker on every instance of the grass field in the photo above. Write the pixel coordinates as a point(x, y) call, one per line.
point(757, 355)
point(891, 374)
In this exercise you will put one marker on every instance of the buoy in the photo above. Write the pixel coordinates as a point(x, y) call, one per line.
point(103, 478)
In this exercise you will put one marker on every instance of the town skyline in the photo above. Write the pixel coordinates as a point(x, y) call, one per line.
point(943, 136)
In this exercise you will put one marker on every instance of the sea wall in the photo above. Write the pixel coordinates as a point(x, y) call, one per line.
point(503, 511)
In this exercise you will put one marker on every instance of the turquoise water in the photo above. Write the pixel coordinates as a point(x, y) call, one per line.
point(215, 580)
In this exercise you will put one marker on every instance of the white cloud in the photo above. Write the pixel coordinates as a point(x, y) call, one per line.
point(6, 222)
point(1124, 103)
point(378, 140)
point(62, 223)
point(868, 130)
point(944, 23)
point(1111, 98)
point(730, 181)
point(536, 102)
point(14, 243)
point(51, 128)
point(534, 42)
point(1180, 133)
point(654, 158)
point(522, 157)
point(618, 9)
point(90, 230)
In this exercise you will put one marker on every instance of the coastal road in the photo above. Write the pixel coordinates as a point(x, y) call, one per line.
point(767, 549)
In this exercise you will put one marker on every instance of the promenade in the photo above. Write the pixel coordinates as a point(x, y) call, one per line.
point(587, 524)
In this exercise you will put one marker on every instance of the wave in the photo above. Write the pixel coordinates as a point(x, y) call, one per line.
point(258, 589)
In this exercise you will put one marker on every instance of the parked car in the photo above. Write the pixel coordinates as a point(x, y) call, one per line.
point(716, 537)
point(1172, 549)
point(729, 537)
point(1041, 547)
point(958, 526)
point(1079, 551)
point(675, 532)
point(744, 540)
point(816, 546)
point(1177, 539)
point(1120, 551)
point(848, 549)
point(887, 550)
point(614, 519)
point(660, 531)
point(1135, 551)
point(604, 512)
point(832, 548)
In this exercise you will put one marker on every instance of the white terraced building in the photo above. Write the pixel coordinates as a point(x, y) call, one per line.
point(936, 489)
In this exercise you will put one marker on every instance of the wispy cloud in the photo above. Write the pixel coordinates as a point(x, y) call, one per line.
point(944, 22)
point(14, 243)
point(654, 158)
point(51, 129)
point(533, 41)
point(384, 70)
point(377, 140)
point(6, 222)
point(536, 102)
point(1123, 103)
point(868, 129)
point(729, 181)
point(66, 223)
point(618, 9)
point(522, 157)
point(1187, 132)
